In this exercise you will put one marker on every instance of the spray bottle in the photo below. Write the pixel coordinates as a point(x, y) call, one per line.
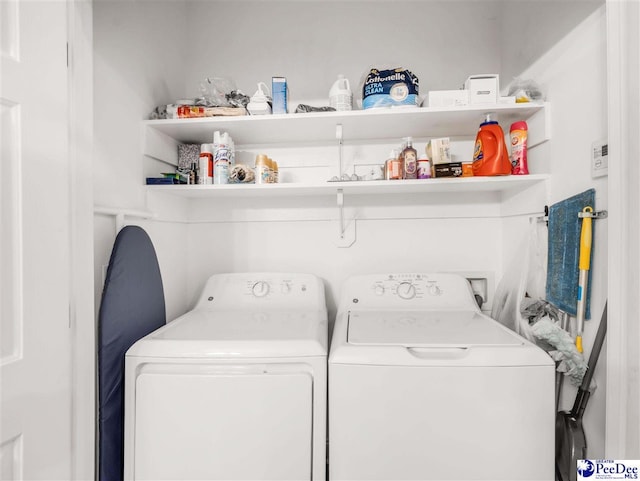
point(221, 157)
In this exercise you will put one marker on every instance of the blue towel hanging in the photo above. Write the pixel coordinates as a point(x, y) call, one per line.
point(563, 251)
point(132, 306)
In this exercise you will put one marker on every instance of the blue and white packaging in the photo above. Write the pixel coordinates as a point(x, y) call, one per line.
point(279, 91)
point(597, 469)
point(390, 88)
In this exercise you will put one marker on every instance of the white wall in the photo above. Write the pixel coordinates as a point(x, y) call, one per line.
point(138, 59)
point(531, 28)
point(311, 42)
point(573, 75)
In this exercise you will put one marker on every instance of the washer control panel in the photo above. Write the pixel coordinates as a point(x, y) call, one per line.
point(412, 290)
point(263, 290)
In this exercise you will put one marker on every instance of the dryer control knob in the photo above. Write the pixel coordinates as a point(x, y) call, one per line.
point(379, 290)
point(434, 290)
point(286, 288)
point(406, 290)
point(260, 289)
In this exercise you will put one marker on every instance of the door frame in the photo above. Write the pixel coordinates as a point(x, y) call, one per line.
point(81, 302)
point(622, 439)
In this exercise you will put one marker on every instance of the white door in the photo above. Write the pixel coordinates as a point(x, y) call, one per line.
point(623, 330)
point(35, 348)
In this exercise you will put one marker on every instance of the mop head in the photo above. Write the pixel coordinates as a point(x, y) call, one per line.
point(565, 353)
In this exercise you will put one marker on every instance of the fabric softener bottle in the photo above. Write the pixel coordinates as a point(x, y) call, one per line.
point(490, 156)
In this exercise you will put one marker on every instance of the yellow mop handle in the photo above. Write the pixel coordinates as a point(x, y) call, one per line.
point(583, 264)
point(585, 242)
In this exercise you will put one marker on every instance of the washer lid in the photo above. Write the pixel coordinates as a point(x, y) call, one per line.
point(427, 329)
point(207, 333)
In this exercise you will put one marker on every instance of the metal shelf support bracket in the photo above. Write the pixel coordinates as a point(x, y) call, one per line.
point(346, 233)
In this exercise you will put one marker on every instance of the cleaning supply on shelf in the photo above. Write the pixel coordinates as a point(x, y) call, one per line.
point(490, 156)
point(467, 169)
point(279, 91)
point(205, 164)
point(340, 96)
point(260, 103)
point(518, 135)
point(410, 160)
point(221, 157)
point(262, 169)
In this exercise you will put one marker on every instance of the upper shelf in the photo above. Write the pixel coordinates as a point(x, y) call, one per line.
point(510, 183)
point(320, 127)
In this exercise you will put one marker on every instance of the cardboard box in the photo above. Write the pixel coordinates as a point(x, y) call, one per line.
point(448, 98)
point(279, 90)
point(483, 89)
point(453, 169)
point(438, 151)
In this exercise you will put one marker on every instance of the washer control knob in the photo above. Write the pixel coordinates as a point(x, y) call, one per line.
point(406, 290)
point(379, 290)
point(286, 288)
point(434, 290)
point(260, 289)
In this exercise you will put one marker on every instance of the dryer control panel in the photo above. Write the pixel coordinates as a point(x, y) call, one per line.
point(276, 291)
point(409, 290)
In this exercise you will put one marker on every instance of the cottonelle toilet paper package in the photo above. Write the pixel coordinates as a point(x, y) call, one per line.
point(389, 88)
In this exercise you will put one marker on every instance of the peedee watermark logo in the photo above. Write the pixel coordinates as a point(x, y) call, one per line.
point(591, 470)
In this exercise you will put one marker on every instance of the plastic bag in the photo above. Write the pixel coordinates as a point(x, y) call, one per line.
point(524, 278)
point(220, 92)
point(525, 90)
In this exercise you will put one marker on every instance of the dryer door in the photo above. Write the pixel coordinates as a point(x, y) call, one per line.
point(215, 422)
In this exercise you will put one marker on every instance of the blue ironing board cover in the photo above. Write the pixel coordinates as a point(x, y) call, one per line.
point(132, 306)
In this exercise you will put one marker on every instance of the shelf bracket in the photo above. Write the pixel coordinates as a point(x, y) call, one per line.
point(347, 233)
point(339, 137)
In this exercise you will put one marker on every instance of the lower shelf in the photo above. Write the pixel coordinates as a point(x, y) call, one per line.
point(509, 183)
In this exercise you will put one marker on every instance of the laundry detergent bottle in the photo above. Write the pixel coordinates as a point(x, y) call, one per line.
point(340, 96)
point(490, 156)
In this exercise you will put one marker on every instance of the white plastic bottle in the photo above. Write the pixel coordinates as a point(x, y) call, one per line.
point(259, 103)
point(340, 96)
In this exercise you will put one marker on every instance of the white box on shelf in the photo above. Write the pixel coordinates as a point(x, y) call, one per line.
point(483, 89)
point(448, 98)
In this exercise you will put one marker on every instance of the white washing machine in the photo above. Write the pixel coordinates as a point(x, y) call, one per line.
point(236, 388)
point(423, 386)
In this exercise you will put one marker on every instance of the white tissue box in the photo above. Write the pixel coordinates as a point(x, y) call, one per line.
point(483, 89)
point(448, 98)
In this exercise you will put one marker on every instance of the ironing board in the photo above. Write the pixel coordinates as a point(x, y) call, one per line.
point(132, 306)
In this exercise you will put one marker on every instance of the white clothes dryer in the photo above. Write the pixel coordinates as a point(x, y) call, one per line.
point(423, 386)
point(234, 389)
